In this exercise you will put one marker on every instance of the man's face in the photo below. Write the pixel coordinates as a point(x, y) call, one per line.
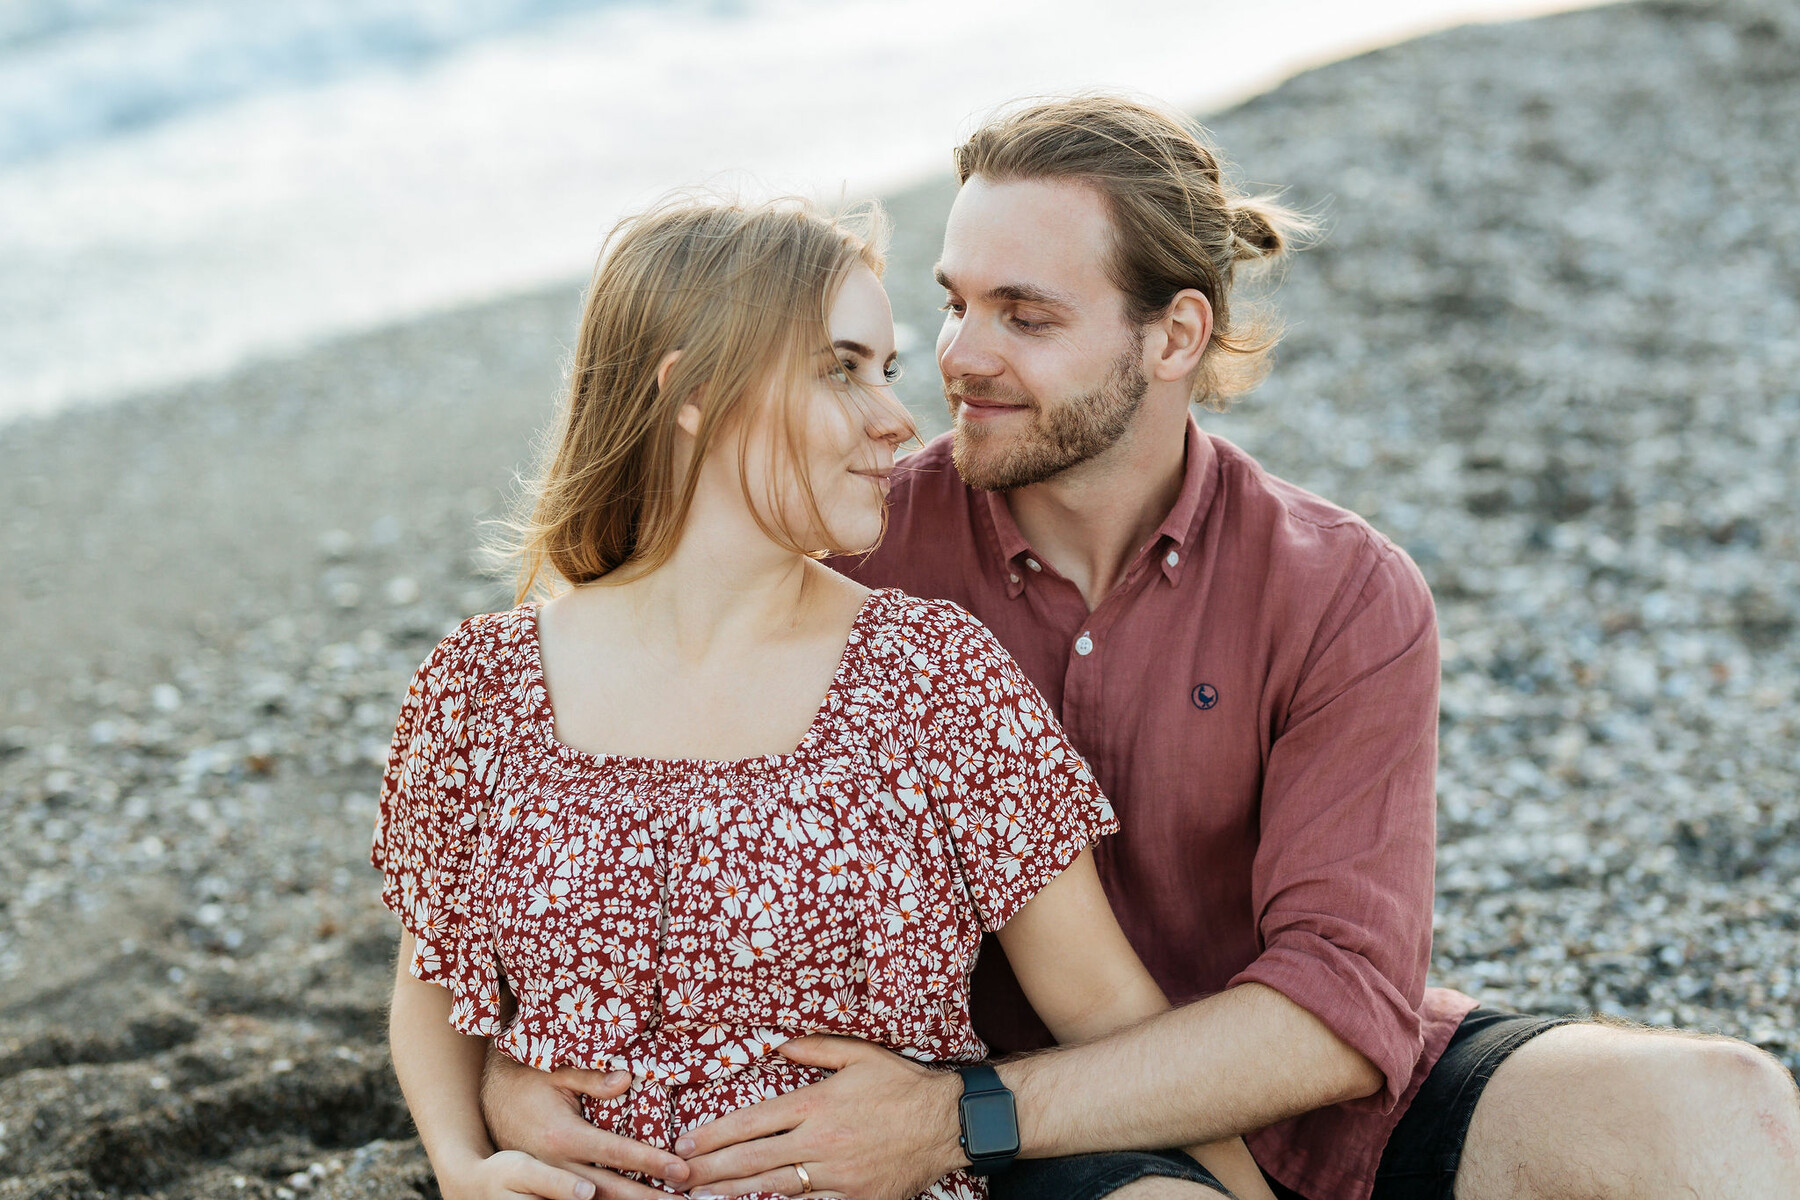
point(1041, 370)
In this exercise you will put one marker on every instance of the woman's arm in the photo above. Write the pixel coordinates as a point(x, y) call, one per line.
point(1085, 981)
point(439, 1069)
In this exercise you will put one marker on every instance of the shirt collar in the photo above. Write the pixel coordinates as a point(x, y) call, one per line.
point(1177, 534)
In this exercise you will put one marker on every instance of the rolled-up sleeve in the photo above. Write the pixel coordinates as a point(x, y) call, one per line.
point(1343, 876)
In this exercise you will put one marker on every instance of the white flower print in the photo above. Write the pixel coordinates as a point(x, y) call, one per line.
point(755, 946)
point(763, 906)
point(639, 849)
point(732, 889)
point(834, 870)
point(577, 1005)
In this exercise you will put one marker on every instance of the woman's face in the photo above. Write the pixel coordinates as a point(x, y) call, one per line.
point(848, 424)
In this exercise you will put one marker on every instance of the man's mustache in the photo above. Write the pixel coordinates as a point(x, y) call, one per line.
point(986, 389)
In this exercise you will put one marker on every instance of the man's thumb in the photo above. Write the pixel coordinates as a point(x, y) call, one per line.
point(820, 1050)
point(602, 1085)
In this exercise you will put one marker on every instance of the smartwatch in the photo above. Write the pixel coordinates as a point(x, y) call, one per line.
point(990, 1122)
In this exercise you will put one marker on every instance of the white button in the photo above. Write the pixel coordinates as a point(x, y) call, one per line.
point(1013, 575)
point(1084, 645)
point(1173, 558)
point(1034, 564)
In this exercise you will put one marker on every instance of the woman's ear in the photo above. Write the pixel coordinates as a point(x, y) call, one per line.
point(687, 417)
point(664, 367)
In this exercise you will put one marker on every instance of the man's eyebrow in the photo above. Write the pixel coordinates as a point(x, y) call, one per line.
point(1017, 293)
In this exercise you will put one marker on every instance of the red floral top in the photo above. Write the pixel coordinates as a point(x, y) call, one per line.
point(681, 918)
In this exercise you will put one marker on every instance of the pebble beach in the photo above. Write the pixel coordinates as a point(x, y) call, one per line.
point(1549, 343)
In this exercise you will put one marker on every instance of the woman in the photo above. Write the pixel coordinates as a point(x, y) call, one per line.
point(714, 795)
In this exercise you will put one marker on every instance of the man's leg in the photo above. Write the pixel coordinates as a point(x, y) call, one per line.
point(1597, 1110)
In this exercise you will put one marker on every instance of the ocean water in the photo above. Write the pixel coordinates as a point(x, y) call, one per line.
point(186, 184)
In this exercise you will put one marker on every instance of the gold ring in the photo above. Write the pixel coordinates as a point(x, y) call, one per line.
point(805, 1179)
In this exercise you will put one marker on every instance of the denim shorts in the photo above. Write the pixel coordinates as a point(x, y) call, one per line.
point(1419, 1162)
point(1091, 1176)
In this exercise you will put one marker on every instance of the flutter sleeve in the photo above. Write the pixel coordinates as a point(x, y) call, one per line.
point(1018, 802)
point(427, 833)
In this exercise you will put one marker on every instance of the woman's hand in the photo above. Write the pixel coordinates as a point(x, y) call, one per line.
point(508, 1175)
point(540, 1114)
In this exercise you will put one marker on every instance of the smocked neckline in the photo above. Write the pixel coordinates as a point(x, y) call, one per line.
point(816, 733)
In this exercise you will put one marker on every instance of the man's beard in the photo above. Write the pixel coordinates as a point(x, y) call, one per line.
point(1072, 432)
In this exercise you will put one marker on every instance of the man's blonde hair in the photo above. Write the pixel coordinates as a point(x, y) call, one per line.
point(1177, 223)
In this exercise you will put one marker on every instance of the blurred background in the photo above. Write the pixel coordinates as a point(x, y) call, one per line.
point(285, 294)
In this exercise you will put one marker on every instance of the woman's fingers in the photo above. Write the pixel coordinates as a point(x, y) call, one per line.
point(529, 1177)
point(582, 1144)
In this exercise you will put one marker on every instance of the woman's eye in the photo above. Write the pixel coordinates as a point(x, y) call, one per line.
point(891, 371)
point(840, 372)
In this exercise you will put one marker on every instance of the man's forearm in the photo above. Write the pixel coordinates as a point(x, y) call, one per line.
point(1220, 1067)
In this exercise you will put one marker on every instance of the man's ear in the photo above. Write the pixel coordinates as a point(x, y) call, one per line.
point(1187, 330)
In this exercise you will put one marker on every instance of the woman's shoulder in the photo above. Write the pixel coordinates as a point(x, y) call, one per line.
point(480, 648)
point(943, 634)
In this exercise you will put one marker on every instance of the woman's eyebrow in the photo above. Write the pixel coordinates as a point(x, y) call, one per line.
point(856, 348)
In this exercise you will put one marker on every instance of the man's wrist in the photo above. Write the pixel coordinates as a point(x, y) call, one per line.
point(947, 1151)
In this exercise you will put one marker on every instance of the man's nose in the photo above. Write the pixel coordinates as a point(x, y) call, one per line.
point(965, 349)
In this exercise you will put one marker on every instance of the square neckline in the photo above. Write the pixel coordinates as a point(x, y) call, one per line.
point(545, 716)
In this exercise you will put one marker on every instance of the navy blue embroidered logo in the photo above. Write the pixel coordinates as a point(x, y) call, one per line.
point(1204, 696)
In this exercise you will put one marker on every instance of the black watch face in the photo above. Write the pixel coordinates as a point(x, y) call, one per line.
point(990, 1125)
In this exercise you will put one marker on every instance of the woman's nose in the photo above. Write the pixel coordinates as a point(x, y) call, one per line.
point(888, 420)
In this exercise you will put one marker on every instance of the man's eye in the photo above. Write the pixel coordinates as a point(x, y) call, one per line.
point(952, 306)
point(1029, 326)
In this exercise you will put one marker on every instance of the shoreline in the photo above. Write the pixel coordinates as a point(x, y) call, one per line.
point(1499, 356)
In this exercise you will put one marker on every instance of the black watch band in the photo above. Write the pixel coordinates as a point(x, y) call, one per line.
point(989, 1119)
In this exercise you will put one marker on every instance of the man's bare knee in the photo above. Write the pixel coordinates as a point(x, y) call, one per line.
point(1608, 1110)
point(1159, 1188)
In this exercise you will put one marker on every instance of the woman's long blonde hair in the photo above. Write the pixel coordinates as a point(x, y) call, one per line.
point(743, 292)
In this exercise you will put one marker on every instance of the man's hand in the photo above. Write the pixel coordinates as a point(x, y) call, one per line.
point(540, 1114)
point(881, 1128)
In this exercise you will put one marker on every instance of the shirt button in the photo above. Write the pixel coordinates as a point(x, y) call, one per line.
point(1034, 564)
point(1173, 558)
point(1084, 645)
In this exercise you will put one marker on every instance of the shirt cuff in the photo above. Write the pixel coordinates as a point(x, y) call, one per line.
point(1354, 1000)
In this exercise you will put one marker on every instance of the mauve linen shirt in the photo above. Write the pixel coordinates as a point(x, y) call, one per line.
point(1258, 698)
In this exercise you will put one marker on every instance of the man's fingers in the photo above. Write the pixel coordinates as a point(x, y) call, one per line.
point(762, 1158)
point(760, 1120)
point(602, 1085)
point(825, 1050)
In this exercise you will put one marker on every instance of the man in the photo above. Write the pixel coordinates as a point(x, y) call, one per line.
point(1252, 673)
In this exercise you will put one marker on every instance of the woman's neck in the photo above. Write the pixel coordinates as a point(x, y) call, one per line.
point(722, 587)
